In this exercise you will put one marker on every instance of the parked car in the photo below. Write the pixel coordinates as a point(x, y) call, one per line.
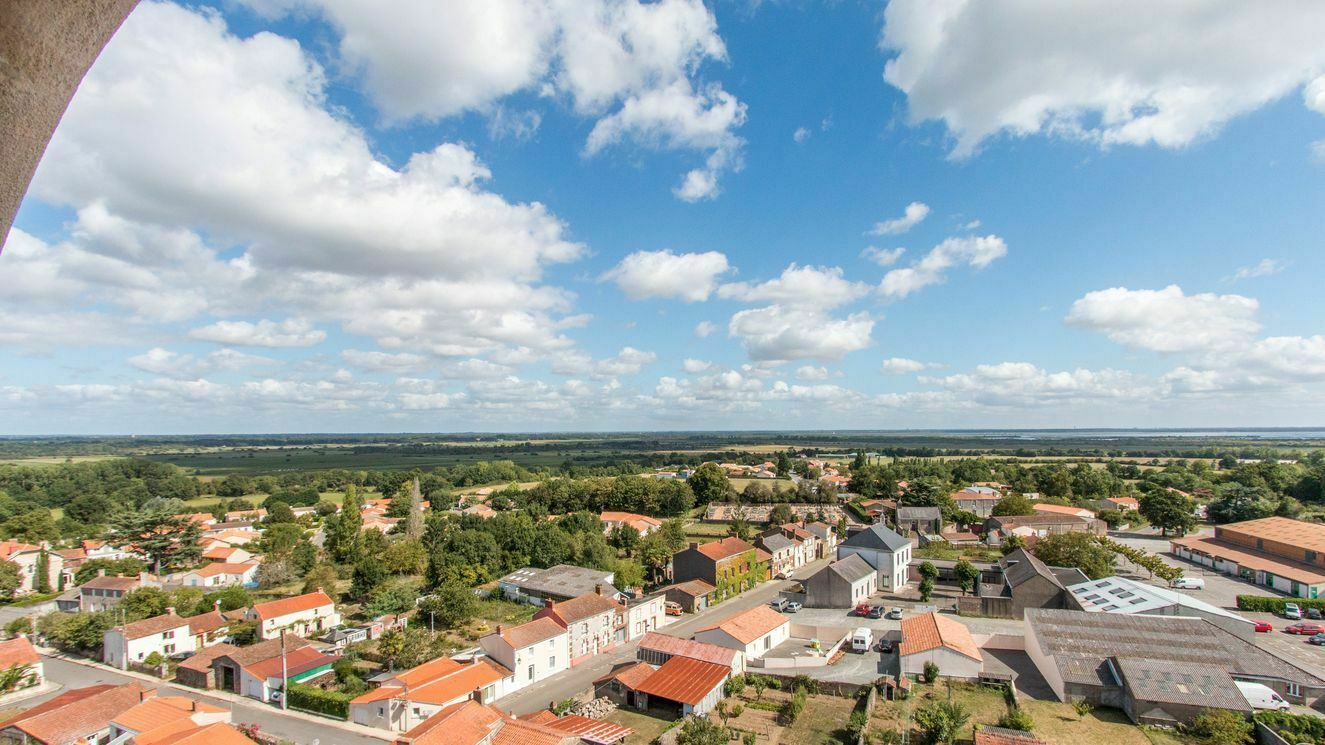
point(1305, 628)
point(1292, 611)
point(861, 640)
point(672, 608)
point(1188, 583)
point(1313, 613)
point(883, 645)
point(876, 612)
point(779, 605)
point(861, 609)
point(895, 614)
point(1317, 639)
point(793, 607)
point(1261, 696)
point(1263, 626)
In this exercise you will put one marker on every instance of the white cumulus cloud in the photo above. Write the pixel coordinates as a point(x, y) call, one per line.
point(1167, 320)
point(292, 332)
point(914, 214)
point(974, 251)
point(691, 277)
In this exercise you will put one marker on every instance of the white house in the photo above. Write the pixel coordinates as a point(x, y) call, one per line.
point(28, 558)
point(942, 641)
point(219, 574)
point(260, 679)
point(133, 643)
point(531, 651)
point(754, 632)
point(302, 615)
point(406, 699)
point(638, 617)
point(883, 549)
point(221, 552)
point(589, 621)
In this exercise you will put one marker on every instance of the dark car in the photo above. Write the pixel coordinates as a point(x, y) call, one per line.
point(1313, 614)
point(1317, 639)
point(876, 612)
point(883, 645)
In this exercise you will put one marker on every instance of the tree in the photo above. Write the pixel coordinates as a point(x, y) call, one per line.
point(625, 538)
point(1221, 727)
point(342, 531)
point(231, 598)
point(928, 570)
point(33, 526)
point(1167, 510)
point(322, 576)
point(407, 648)
point(414, 520)
point(11, 578)
point(926, 589)
point(628, 573)
point(1012, 543)
point(968, 576)
point(449, 606)
point(41, 578)
point(702, 731)
point(144, 602)
point(654, 553)
point(405, 556)
point(396, 597)
point(1237, 503)
point(781, 514)
point(280, 512)
point(168, 541)
point(782, 466)
point(1078, 549)
point(709, 483)
point(941, 722)
point(281, 539)
point(1013, 504)
point(369, 573)
point(126, 567)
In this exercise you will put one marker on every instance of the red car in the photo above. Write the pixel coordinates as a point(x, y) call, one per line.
point(1306, 628)
point(862, 610)
point(1262, 626)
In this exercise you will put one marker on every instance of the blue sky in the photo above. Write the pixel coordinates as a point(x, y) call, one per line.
point(301, 215)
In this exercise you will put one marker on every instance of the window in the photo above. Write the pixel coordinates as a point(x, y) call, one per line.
point(1293, 690)
point(531, 672)
point(169, 649)
point(551, 662)
point(168, 634)
point(768, 643)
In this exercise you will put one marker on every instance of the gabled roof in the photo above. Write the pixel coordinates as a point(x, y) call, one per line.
point(878, 537)
point(263, 650)
point(629, 674)
point(1062, 509)
point(209, 621)
point(1021, 565)
point(219, 733)
point(465, 723)
point(776, 542)
point(588, 605)
point(9, 548)
point(751, 624)
point(686, 680)
point(914, 512)
point(725, 548)
point(1192, 684)
point(1123, 595)
point(462, 682)
point(17, 651)
point(299, 661)
point(286, 606)
point(76, 712)
point(588, 730)
point(852, 568)
point(160, 711)
point(533, 632)
point(124, 584)
point(932, 631)
point(219, 567)
point(678, 647)
point(696, 587)
point(154, 625)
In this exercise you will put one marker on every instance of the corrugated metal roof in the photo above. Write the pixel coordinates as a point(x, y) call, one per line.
point(685, 680)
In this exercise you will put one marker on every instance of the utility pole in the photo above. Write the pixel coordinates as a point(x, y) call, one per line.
point(285, 676)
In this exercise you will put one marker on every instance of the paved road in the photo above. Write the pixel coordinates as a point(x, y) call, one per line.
point(270, 719)
point(582, 676)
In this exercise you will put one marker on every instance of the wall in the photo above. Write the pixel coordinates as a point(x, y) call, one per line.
point(951, 664)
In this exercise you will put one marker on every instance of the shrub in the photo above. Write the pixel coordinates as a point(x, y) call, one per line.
point(318, 701)
point(856, 724)
point(1294, 727)
point(1083, 707)
point(1221, 727)
point(154, 659)
point(564, 706)
point(942, 721)
point(810, 685)
point(1017, 719)
point(793, 708)
point(931, 673)
point(734, 686)
point(1267, 604)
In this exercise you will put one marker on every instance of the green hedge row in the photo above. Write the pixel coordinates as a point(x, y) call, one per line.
point(1293, 727)
point(318, 701)
point(1271, 604)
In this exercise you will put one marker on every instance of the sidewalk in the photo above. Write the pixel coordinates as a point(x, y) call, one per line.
point(234, 699)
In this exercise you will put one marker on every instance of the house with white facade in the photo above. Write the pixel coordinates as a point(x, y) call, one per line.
point(785, 552)
point(218, 575)
point(133, 643)
point(28, 559)
point(302, 615)
point(753, 632)
point(404, 700)
point(638, 616)
point(643, 524)
point(942, 641)
point(589, 621)
point(532, 651)
point(883, 549)
point(261, 679)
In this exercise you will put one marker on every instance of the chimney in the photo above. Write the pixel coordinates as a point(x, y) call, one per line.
point(216, 605)
point(499, 628)
point(598, 589)
point(694, 544)
point(170, 611)
point(101, 572)
point(549, 602)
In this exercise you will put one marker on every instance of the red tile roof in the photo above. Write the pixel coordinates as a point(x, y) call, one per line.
point(204, 622)
point(725, 548)
point(677, 647)
point(685, 680)
point(532, 633)
point(297, 604)
point(630, 675)
point(219, 733)
point(591, 730)
point(154, 625)
point(9, 548)
point(579, 608)
point(17, 651)
point(465, 723)
point(161, 711)
point(931, 631)
point(751, 624)
point(298, 661)
point(462, 682)
point(76, 712)
point(220, 567)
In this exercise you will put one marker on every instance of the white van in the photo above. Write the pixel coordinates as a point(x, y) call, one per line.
point(1188, 583)
point(1261, 696)
point(861, 639)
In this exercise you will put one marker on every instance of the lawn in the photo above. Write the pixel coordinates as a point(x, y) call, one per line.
point(1055, 722)
point(823, 722)
point(647, 728)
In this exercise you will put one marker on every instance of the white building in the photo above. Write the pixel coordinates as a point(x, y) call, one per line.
point(302, 615)
point(260, 679)
point(406, 699)
point(28, 558)
point(942, 641)
point(883, 549)
point(753, 632)
point(531, 651)
point(218, 574)
point(134, 642)
point(589, 621)
point(638, 617)
point(1122, 595)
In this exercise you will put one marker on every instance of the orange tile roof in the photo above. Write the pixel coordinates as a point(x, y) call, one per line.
point(578, 608)
point(153, 625)
point(17, 651)
point(160, 711)
point(1061, 509)
point(678, 647)
point(751, 624)
point(532, 633)
point(204, 622)
point(463, 682)
point(591, 730)
point(1310, 536)
point(931, 631)
point(516, 732)
point(725, 548)
point(286, 606)
point(220, 551)
point(220, 567)
point(1243, 556)
point(465, 723)
point(219, 733)
point(298, 661)
point(76, 712)
point(629, 675)
point(427, 672)
point(202, 661)
point(381, 693)
point(9, 548)
point(685, 680)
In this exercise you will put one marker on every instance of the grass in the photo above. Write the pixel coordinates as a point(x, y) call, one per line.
point(823, 721)
point(647, 728)
point(1055, 722)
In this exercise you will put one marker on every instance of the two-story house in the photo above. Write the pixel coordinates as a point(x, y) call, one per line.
point(731, 565)
point(785, 553)
point(884, 550)
point(405, 699)
point(531, 651)
point(28, 558)
point(302, 615)
point(589, 621)
point(638, 616)
point(133, 643)
point(103, 592)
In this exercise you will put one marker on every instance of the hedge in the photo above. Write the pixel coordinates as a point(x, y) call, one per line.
point(318, 701)
point(1293, 727)
point(1272, 604)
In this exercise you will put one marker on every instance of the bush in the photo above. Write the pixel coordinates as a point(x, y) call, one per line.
point(1017, 719)
point(154, 660)
point(810, 685)
point(1268, 604)
point(793, 708)
point(734, 686)
point(1294, 727)
point(931, 673)
point(857, 723)
point(1221, 727)
point(318, 701)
